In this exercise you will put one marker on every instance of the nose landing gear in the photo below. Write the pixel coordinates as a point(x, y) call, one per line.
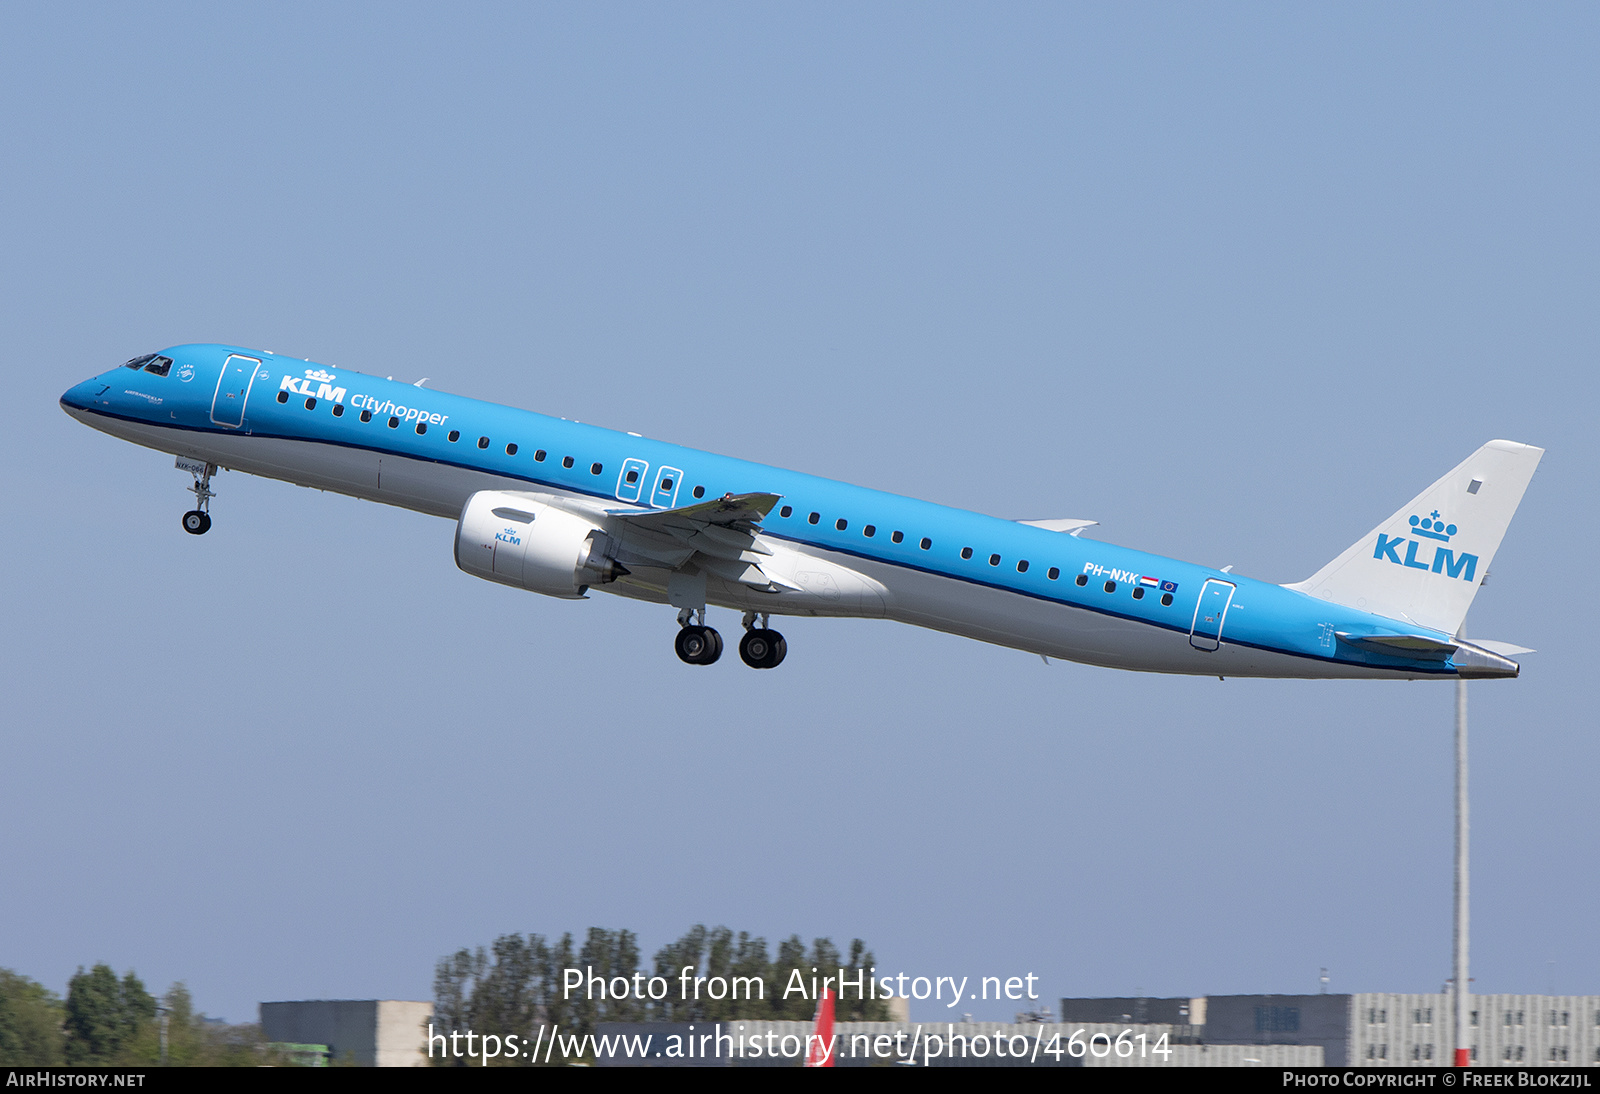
point(761, 647)
point(697, 644)
point(197, 521)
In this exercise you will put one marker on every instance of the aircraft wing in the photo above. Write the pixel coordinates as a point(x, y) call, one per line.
point(1070, 525)
point(718, 537)
point(740, 511)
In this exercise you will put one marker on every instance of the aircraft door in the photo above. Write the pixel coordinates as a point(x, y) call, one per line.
point(665, 495)
point(631, 479)
point(233, 390)
point(1205, 633)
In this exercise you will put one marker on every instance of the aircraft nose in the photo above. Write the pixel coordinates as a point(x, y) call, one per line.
point(79, 396)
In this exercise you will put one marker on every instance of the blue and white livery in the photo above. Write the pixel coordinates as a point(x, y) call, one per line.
point(561, 508)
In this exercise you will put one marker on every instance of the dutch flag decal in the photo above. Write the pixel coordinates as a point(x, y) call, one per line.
point(1150, 581)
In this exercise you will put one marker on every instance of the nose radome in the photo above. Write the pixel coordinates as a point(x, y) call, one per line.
point(79, 396)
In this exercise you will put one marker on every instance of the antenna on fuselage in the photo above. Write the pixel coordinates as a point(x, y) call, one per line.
point(420, 382)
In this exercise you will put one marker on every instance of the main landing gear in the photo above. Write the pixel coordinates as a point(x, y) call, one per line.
point(197, 521)
point(698, 644)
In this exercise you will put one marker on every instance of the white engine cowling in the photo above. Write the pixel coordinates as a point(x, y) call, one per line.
point(516, 540)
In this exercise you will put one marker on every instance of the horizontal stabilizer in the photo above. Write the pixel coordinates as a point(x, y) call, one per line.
point(1399, 645)
point(1504, 649)
point(1471, 660)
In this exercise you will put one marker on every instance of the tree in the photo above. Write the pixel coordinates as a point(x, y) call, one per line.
point(104, 1015)
point(30, 1023)
point(512, 994)
point(522, 986)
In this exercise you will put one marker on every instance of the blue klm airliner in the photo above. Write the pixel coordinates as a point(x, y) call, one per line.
point(559, 508)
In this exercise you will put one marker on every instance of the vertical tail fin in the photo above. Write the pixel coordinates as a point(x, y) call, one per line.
point(1425, 563)
point(821, 1054)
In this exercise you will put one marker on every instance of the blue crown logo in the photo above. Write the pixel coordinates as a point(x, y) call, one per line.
point(1432, 526)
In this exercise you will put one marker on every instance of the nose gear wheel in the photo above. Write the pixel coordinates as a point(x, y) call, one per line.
point(197, 521)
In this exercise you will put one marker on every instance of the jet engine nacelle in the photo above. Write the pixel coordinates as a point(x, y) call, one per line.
point(516, 540)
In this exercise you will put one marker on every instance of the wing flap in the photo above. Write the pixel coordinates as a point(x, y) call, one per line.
point(718, 536)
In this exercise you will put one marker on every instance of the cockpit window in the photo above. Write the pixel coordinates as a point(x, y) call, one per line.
point(160, 366)
point(140, 362)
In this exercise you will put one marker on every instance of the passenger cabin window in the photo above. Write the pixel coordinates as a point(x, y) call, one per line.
point(786, 512)
point(632, 476)
point(595, 469)
point(897, 536)
point(511, 449)
point(1053, 572)
point(1111, 586)
point(455, 435)
point(566, 461)
point(422, 427)
point(994, 560)
point(366, 415)
point(538, 455)
point(966, 552)
point(160, 366)
point(1166, 600)
point(483, 442)
point(869, 531)
point(841, 524)
point(311, 403)
point(1022, 567)
point(1082, 579)
point(813, 518)
point(1138, 592)
point(338, 410)
point(926, 543)
point(283, 396)
point(699, 491)
point(394, 423)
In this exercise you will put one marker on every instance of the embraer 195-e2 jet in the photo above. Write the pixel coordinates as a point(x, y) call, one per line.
point(560, 508)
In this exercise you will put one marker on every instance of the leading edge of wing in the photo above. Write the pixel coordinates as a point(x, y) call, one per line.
point(740, 511)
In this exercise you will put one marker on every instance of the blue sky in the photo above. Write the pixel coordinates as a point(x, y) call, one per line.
point(1234, 282)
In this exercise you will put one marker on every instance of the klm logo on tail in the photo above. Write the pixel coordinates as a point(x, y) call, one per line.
point(1445, 561)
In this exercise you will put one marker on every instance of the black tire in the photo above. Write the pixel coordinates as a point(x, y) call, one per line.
point(754, 648)
point(698, 645)
point(762, 649)
point(196, 523)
